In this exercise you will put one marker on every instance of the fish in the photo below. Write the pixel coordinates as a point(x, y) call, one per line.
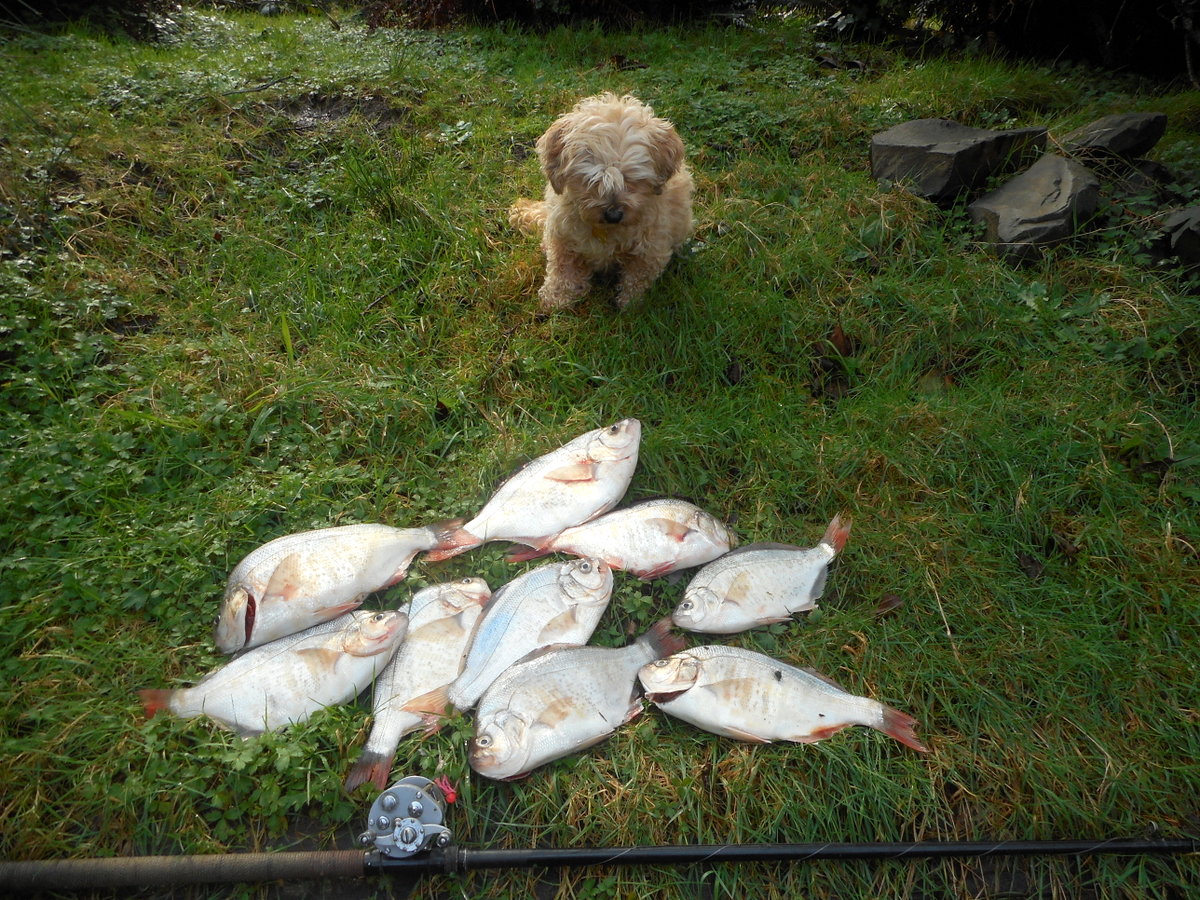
point(580, 480)
point(759, 584)
point(560, 700)
point(557, 603)
point(441, 621)
point(300, 580)
point(748, 696)
point(649, 539)
point(286, 681)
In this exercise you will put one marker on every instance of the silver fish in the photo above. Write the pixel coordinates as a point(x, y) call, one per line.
point(441, 621)
point(759, 584)
point(568, 486)
point(300, 580)
point(751, 697)
point(289, 679)
point(561, 700)
point(558, 603)
point(649, 539)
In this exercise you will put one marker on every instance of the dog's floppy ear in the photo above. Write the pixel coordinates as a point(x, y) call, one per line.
point(668, 151)
point(550, 148)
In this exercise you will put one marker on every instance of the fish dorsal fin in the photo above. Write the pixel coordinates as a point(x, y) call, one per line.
point(573, 472)
point(821, 676)
point(762, 545)
point(285, 578)
point(542, 651)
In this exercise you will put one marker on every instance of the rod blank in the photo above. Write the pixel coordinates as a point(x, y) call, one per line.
point(77, 874)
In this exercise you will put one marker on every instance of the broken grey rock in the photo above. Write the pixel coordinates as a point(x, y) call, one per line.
point(1123, 134)
point(939, 158)
point(1179, 236)
point(1042, 205)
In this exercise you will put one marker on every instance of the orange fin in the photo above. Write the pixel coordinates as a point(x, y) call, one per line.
point(155, 701)
point(819, 734)
point(451, 543)
point(656, 572)
point(669, 527)
point(320, 659)
point(900, 726)
point(431, 703)
point(372, 767)
point(574, 472)
point(518, 553)
point(838, 532)
point(284, 577)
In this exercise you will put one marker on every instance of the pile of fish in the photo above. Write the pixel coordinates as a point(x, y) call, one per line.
point(519, 656)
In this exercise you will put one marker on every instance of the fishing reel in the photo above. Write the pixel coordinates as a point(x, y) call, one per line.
point(406, 819)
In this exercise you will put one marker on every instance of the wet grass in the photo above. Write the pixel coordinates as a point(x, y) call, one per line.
point(260, 279)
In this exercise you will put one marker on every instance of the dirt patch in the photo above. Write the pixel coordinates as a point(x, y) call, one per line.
point(318, 110)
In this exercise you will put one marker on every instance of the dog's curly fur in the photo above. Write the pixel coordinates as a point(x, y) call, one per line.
point(619, 193)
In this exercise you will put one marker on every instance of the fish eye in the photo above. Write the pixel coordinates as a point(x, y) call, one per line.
point(585, 567)
point(686, 605)
point(483, 741)
point(659, 663)
point(378, 617)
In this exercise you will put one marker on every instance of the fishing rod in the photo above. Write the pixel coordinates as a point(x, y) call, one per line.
point(406, 837)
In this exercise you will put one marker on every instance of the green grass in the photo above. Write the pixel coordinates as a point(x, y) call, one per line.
point(260, 279)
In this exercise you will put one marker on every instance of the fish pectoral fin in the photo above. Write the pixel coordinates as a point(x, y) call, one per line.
point(332, 612)
point(320, 659)
point(555, 713)
point(561, 624)
point(431, 703)
point(635, 709)
point(575, 472)
point(671, 528)
point(285, 579)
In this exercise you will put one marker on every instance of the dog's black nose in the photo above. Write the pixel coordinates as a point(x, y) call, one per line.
point(613, 215)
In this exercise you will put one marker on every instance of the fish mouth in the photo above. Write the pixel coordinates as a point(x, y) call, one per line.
point(663, 696)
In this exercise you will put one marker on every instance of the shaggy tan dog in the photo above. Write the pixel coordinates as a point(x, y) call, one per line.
point(620, 194)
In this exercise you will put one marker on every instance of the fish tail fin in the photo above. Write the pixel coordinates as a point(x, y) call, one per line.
point(661, 641)
point(372, 767)
point(901, 726)
point(521, 553)
point(452, 539)
point(155, 701)
point(838, 532)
